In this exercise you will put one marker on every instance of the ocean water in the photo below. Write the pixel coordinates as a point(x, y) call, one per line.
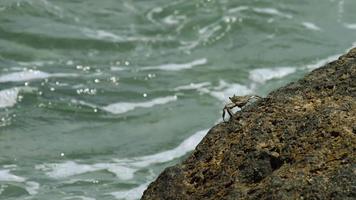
point(98, 97)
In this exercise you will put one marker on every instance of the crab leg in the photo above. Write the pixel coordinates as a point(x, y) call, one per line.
point(228, 108)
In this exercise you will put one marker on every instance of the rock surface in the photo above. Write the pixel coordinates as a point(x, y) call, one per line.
point(297, 143)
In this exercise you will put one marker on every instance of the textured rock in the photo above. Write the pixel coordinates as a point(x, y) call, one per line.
point(297, 143)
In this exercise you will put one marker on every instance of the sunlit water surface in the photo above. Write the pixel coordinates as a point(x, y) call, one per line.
point(98, 97)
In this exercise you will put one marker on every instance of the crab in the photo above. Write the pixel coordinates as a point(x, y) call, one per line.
point(238, 101)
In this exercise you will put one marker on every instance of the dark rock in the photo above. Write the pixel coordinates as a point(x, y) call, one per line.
point(297, 143)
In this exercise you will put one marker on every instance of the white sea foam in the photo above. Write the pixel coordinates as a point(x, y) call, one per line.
point(30, 186)
point(238, 9)
point(192, 86)
point(109, 36)
point(36, 63)
point(78, 197)
point(183, 148)
point(264, 74)
point(208, 31)
point(272, 11)
point(131, 194)
point(31, 75)
point(123, 107)
point(101, 34)
point(2, 188)
point(350, 26)
point(174, 19)
point(311, 26)
point(151, 13)
point(8, 97)
point(340, 6)
point(23, 76)
point(114, 68)
point(322, 62)
point(124, 169)
point(12, 166)
point(226, 90)
point(80, 102)
point(177, 67)
point(5, 175)
point(72, 168)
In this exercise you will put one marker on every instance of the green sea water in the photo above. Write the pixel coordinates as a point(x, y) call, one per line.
point(98, 97)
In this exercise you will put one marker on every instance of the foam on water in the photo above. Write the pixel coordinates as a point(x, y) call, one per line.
point(192, 86)
point(238, 9)
point(114, 68)
point(101, 34)
point(72, 168)
point(5, 175)
point(262, 75)
point(123, 107)
point(30, 186)
point(78, 197)
point(31, 75)
point(350, 26)
point(186, 146)
point(124, 169)
point(131, 194)
point(109, 36)
point(226, 90)
point(9, 166)
point(36, 63)
point(8, 97)
point(177, 67)
point(322, 62)
point(152, 12)
point(2, 188)
point(311, 26)
point(80, 102)
point(174, 19)
point(272, 11)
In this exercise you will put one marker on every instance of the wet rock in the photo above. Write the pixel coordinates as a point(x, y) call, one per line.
point(299, 142)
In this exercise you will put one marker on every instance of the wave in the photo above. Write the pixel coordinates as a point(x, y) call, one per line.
point(192, 86)
point(8, 97)
point(177, 67)
point(350, 26)
point(272, 11)
point(123, 107)
point(183, 148)
point(238, 9)
point(226, 90)
point(36, 63)
point(72, 168)
point(78, 197)
point(31, 75)
point(132, 194)
point(124, 169)
point(264, 74)
point(311, 26)
point(321, 62)
point(5, 175)
point(30, 186)
point(109, 36)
